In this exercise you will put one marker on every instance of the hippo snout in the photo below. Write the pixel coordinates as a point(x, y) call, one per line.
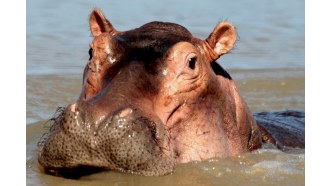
point(125, 140)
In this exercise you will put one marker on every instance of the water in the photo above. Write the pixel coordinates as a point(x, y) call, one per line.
point(271, 33)
point(267, 64)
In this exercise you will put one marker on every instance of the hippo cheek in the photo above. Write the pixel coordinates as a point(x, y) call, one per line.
point(126, 141)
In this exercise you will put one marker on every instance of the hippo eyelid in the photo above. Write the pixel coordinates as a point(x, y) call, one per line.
point(90, 52)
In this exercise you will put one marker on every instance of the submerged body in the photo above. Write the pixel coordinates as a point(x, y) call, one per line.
point(152, 97)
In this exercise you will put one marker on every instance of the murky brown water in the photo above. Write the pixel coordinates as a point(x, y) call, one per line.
point(267, 65)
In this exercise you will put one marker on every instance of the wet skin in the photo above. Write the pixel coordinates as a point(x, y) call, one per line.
point(152, 97)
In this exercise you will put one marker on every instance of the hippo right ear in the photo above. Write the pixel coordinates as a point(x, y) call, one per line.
point(221, 40)
point(99, 24)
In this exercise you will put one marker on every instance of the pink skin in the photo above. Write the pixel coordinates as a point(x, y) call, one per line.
point(198, 128)
point(201, 124)
point(184, 103)
point(73, 108)
point(142, 112)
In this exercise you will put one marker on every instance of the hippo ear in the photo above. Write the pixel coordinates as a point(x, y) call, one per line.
point(99, 24)
point(222, 39)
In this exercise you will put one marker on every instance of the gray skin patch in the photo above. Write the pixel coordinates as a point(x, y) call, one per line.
point(127, 142)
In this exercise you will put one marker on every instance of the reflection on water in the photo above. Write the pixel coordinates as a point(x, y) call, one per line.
point(267, 65)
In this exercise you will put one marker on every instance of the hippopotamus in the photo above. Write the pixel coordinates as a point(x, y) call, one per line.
point(152, 97)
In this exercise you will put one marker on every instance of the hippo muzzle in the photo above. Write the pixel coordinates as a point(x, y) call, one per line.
point(125, 141)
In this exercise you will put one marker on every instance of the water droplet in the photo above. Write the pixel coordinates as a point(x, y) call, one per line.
point(111, 60)
point(164, 72)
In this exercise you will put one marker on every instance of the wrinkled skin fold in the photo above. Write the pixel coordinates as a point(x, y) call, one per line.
point(151, 98)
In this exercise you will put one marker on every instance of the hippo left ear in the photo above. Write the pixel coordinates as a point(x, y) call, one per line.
point(99, 24)
point(222, 39)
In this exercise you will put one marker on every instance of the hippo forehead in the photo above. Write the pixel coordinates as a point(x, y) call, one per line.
point(151, 42)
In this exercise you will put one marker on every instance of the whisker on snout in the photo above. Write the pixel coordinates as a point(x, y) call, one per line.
point(49, 125)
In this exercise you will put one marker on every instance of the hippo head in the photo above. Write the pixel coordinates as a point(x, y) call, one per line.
point(151, 97)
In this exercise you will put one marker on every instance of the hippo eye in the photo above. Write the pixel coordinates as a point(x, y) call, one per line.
point(192, 62)
point(90, 52)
